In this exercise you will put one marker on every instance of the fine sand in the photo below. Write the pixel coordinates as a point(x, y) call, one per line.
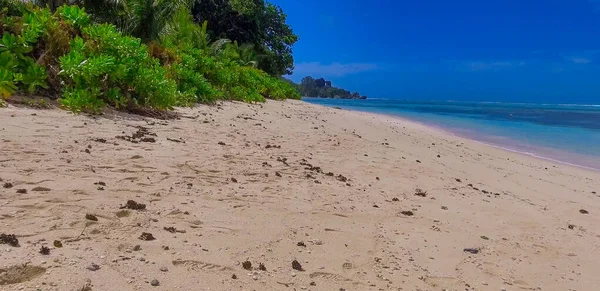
point(278, 182)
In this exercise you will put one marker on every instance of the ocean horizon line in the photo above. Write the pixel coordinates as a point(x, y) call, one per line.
point(463, 101)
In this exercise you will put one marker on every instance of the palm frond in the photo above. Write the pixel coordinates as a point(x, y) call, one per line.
point(218, 46)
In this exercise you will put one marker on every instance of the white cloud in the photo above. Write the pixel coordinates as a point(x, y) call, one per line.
point(332, 70)
point(579, 60)
point(476, 66)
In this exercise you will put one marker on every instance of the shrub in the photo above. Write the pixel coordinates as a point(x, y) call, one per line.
point(74, 16)
point(116, 68)
point(78, 100)
point(17, 67)
point(7, 83)
point(8, 66)
point(221, 70)
point(188, 73)
point(23, 71)
point(13, 7)
point(33, 76)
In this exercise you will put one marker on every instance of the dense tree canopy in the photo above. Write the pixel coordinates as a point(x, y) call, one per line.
point(255, 22)
point(311, 87)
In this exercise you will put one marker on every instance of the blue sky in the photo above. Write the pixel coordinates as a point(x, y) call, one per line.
point(489, 50)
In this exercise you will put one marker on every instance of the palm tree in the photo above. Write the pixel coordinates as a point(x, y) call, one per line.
point(244, 54)
point(247, 55)
point(183, 30)
point(147, 19)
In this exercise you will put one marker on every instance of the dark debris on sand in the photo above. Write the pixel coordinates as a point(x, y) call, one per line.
point(310, 167)
point(9, 239)
point(141, 135)
point(45, 250)
point(147, 236)
point(41, 189)
point(133, 205)
point(170, 229)
point(180, 140)
point(91, 217)
point(471, 250)
point(407, 213)
point(420, 192)
point(247, 265)
point(283, 161)
point(297, 266)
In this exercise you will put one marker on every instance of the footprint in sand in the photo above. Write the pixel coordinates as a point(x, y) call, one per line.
point(444, 283)
point(522, 285)
point(19, 274)
point(329, 276)
point(200, 266)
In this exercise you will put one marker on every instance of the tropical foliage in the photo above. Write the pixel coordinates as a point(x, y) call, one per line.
point(126, 54)
point(255, 22)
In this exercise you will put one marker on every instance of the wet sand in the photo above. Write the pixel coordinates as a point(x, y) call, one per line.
point(358, 201)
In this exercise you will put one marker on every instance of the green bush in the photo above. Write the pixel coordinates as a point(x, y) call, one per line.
point(78, 100)
point(191, 80)
point(8, 66)
point(13, 7)
point(33, 76)
point(7, 83)
point(19, 69)
point(227, 67)
point(116, 68)
point(74, 16)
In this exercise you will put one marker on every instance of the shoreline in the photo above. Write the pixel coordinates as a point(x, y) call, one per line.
point(448, 131)
point(249, 196)
point(504, 148)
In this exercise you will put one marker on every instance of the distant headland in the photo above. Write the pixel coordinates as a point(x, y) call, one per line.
point(321, 88)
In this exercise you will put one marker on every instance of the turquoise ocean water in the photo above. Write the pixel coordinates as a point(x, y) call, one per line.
point(567, 133)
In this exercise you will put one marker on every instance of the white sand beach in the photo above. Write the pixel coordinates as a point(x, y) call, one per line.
point(283, 181)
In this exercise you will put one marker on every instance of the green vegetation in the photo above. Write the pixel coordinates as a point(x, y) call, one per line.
point(133, 53)
point(253, 22)
point(311, 87)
